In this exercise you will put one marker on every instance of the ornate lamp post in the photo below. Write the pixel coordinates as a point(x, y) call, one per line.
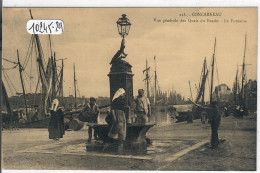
point(123, 25)
point(120, 75)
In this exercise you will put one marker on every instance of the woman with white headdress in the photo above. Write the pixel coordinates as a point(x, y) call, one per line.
point(56, 126)
point(118, 126)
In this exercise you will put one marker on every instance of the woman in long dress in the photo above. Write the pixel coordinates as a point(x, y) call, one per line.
point(118, 127)
point(56, 126)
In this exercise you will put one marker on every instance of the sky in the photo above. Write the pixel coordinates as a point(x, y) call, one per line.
point(90, 40)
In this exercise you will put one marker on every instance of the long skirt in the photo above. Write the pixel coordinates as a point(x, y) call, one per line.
point(118, 127)
point(56, 126)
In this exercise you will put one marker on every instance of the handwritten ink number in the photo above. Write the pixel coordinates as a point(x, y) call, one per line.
point(59, 26)
point(46, 27)
point(49, 26)
point(32, 27)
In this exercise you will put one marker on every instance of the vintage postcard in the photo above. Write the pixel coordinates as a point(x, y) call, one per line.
point(129, 88)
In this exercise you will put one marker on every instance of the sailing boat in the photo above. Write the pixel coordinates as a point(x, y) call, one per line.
point(236, 89)
point(197, 112)
point(204, 75)
point(51, 83)
point(201, 91)
point(158, 98)
point(147, 79)
point(50, 79)
point(240, 103)
point(76, 89)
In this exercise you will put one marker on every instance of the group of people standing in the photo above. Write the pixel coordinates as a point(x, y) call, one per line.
point(118, 117)
point(56, 126)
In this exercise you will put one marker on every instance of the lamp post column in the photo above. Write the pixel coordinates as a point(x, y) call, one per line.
point(120, 75)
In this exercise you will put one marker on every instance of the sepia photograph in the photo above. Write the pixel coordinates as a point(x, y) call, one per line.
point(165, 88)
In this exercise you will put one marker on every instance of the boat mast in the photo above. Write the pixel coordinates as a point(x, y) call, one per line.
point(39, 59)
point(53, 61)
point(190, 92)
point(155, 80)
point(54, 76)
point(203, 78)
point(204, 74)
point(236, 87)
point(243, 75)
point(212, 72)
point(61, 81)
point(42, 74)
point(21, 78)
point(147, 77)
point(50, 44)
point(75, 91)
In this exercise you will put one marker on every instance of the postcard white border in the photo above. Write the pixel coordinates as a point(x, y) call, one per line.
point(131, 3)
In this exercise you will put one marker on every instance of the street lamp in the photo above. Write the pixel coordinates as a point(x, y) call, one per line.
point(123, 25)
point(120, 75)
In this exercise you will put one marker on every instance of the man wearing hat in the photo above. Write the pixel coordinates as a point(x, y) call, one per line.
point(92, 109)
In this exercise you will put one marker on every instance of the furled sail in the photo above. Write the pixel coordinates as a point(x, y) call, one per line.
point(203, 82)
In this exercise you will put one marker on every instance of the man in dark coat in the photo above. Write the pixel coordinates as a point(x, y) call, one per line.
point(214, 119)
